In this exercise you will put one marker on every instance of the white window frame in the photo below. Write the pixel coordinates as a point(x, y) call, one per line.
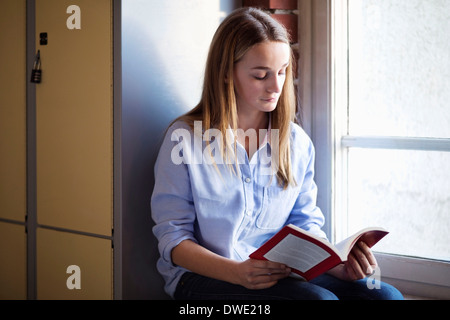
point(323, 102)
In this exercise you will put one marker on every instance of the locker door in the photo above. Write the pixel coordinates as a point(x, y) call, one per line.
point(13, 274)
point(74, 115)
point(72, 266)
point(13, 110)
point(12, 150)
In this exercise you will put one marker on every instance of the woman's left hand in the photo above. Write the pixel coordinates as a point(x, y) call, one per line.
point(360, 264)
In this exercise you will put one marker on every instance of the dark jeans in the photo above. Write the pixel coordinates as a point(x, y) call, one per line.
point(325, 287)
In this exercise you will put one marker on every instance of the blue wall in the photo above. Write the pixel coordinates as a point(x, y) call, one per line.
point(164, 49)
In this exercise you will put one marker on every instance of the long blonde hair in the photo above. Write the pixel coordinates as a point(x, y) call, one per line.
point(237, 34)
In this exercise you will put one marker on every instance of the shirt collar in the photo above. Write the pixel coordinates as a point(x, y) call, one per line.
point(267, 139)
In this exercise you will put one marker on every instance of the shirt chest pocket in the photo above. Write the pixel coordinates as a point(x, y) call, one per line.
point(277, 206)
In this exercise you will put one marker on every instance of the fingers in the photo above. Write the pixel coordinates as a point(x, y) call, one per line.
point(361, 262)
point(269, 271)
point(265, 274)
point(266, 281)
point(272, 267)
point(367, 253)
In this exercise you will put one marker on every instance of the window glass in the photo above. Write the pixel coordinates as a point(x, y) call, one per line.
point(399, 67)
point(407, 192)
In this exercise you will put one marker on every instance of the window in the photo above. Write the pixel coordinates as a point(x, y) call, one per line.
point(382, 133)
point(398, 132)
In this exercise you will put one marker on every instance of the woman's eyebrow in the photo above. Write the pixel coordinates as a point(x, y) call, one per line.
point(261, 68)
point(267, 68)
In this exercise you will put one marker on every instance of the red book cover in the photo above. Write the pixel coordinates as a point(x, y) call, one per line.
point(308, 255)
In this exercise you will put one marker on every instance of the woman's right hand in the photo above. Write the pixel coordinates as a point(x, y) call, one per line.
point(252, 274)
point(260, 274)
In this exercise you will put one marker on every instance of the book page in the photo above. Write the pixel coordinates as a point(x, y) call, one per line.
point(297, 253)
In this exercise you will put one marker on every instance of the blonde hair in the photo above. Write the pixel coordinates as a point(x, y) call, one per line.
point(237, 34)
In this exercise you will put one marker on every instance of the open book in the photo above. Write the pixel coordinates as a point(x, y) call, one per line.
point(308, 255)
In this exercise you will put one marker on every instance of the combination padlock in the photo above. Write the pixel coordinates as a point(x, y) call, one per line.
point(36, 73)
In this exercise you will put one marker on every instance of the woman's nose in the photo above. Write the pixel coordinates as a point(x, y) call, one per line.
point(276, 84)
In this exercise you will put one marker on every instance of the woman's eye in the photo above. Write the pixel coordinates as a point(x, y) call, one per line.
point(260, 77)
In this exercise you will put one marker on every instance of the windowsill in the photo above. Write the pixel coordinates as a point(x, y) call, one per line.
point(417, 279)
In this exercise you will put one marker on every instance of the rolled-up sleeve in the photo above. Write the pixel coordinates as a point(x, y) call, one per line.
point(172, 205)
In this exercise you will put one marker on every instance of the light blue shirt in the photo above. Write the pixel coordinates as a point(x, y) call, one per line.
point(231, 214)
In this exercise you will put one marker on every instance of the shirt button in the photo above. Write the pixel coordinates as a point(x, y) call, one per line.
point(248, 180)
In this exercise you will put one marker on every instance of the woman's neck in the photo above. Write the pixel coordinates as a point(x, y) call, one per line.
point(256, 121)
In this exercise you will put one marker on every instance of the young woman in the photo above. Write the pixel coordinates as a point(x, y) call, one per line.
point(236, 169)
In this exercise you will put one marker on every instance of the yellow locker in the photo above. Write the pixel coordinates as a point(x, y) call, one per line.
point(74, 111)
point(73, 266)
point(13, 275)
point(74, 150)
point(13, 110)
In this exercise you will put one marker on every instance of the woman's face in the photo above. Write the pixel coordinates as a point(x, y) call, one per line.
point(259, 77)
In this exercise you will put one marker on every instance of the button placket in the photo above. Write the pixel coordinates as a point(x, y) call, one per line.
point(246, 176)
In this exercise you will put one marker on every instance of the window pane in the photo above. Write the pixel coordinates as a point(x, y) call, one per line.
point(407, 192)
point(399, 67)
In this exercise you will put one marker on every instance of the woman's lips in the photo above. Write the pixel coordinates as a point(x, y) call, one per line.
point(270, 99)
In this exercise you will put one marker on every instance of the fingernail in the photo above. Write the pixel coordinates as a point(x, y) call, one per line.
point(369, 270)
